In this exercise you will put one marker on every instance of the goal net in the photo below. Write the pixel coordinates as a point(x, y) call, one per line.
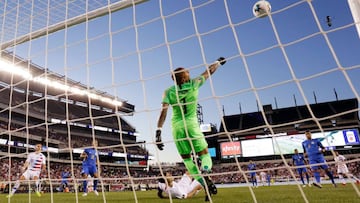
point(72, 72)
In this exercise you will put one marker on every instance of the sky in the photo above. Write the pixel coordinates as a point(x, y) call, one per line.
point(292, 53)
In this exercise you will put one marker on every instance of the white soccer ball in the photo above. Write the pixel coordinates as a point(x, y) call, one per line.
point(261, 9)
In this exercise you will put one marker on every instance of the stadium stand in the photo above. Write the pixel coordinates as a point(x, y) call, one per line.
point(32, 112)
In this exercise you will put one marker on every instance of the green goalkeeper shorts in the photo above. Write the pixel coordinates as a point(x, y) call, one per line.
point(187, 136)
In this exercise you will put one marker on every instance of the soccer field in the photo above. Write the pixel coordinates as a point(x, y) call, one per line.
point(289, 193)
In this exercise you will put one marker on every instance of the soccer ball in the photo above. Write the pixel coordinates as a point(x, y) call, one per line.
point(261, 9)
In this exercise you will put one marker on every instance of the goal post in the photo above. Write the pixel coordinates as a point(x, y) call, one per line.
point(71, 22)
point(355, 11)
point(65, 64)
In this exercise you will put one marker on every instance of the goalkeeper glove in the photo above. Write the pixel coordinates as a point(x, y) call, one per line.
point(159, 143)
point(221, 60)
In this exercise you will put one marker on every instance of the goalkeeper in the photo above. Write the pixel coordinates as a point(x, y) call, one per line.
point(182, 97)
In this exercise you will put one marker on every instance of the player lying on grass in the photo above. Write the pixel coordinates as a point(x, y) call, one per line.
point(184, 188)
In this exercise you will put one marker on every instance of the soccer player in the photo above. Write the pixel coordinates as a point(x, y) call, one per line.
point(182, 97)
point(299, 161)
point(34, 165)
point(268, 177)
point(90, 160)
point(342, 169)
point(263, 178)
point(314, 150)
point(252, 168)
point(184, 188)
point(64, 180)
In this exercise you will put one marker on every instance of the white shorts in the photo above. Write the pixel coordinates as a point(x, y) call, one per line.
point(29, 174)
point(184, 186)
point(343, 169)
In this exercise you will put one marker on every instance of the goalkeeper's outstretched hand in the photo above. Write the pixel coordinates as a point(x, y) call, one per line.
point(222, 60)
point(159, 143)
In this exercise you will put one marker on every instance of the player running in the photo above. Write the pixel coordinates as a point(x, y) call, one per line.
point(314, 150)
point(342, 169)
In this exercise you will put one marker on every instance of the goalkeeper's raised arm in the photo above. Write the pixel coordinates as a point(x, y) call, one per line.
point(213, 67)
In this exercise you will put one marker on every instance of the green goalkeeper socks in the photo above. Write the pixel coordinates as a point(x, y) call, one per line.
point(206, 162)
point(191, 167)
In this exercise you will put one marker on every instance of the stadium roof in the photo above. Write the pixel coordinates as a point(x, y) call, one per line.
point(79, 99)
point(331, 115)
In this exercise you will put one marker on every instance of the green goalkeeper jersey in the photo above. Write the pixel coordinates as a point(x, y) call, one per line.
point(184, 97)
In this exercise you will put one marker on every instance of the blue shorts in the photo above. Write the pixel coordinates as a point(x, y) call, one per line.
point(301, 170)
point(318, 160)
point(252, 174)
point(89, 170)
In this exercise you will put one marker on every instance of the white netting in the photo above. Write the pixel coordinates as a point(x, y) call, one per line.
point(72, 71)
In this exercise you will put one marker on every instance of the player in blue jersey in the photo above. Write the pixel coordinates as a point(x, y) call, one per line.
point(268, 177)
point(89, 163)
point(64, 180)
point(252, 167)
point(314, 150)
point(299, 161)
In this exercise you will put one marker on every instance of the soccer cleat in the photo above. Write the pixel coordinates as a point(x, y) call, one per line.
point(304, 185)
point(358, 182)
point(343, 184)
point(96, 192)
point(211, 185)
point(9, 196)
point(85, 194)
point(334, 185)
point(38, 193)
point(206, 198)
point(309, 184)
point(317, 185)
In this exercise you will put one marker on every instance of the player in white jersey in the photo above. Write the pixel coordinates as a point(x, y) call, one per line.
point(263, 178)
point(184, 188)
point(342, 168)
point(34, 165)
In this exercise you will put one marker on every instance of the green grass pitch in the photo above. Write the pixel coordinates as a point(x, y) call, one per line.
point(275, 194)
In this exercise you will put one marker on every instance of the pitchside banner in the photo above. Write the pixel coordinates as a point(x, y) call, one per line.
point(230, 148)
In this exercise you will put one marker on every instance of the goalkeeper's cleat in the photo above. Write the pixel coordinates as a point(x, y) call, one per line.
point(85, 194)
point(38, 193)
point(317, 185)
point(210, 185)
point(304, 185)
point(9, 196)
point(96, 192)
point(206, 198)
